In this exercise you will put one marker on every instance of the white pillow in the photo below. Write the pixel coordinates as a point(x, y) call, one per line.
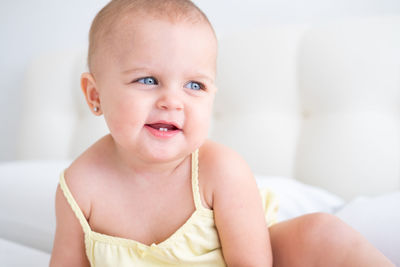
point(13, 254)
point(378, 219)
point(27, 194)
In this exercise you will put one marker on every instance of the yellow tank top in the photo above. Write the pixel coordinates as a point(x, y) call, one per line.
point(195, 243)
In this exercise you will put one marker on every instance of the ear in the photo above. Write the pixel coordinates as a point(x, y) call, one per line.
point(89, 89)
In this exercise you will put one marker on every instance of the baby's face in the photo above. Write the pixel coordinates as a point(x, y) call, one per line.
point(156, 86)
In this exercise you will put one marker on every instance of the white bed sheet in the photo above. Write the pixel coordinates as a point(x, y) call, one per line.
point(296, 198)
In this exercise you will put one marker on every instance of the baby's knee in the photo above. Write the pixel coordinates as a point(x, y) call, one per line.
point(325, 230)
point(313, 238)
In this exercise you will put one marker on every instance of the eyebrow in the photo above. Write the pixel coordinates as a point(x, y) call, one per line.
point(205, 77)
point(135, 70)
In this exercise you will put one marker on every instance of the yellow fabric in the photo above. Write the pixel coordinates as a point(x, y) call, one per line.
point(196, 243)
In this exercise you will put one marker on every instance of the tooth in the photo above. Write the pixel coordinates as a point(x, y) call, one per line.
point(163, 129)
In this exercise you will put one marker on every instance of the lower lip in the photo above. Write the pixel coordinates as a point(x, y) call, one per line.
point(162, 134)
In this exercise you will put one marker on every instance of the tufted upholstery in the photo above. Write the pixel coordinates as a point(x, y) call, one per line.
point(320, 104)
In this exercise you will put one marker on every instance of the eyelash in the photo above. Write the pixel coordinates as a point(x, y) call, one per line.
point(201, 86)
point(143, 80)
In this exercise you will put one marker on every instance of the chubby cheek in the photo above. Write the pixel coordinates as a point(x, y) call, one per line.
point(124, 118)
point(200, 124)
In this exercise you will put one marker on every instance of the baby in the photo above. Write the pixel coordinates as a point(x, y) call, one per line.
point(155, 191)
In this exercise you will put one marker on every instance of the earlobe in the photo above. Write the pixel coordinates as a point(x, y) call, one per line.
point(89, 89)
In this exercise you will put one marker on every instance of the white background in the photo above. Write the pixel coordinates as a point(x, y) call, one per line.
point(30, 28)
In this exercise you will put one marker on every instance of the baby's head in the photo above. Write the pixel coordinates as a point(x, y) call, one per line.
point(119, 12)
point(152, 70)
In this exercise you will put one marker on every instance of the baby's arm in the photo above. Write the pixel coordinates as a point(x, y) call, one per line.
point(238, 211)
point(69, 246)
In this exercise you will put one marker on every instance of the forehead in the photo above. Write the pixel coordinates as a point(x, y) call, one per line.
point(149, 39)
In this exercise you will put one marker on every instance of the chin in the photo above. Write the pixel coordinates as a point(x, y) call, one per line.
point(170, 153)
point(162, 154)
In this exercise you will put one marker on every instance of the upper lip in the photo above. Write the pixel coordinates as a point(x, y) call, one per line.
point(176, 125)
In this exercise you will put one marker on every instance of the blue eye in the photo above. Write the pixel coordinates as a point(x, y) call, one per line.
point(194, 86)
point(148, 81)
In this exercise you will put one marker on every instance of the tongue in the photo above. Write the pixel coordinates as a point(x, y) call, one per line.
point(162, 125)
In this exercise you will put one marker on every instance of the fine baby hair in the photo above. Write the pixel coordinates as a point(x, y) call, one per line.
point(155, 191)
point(115, 11)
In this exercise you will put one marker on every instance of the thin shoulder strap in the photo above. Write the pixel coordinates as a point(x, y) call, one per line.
point(74, 205)
point(195, 180)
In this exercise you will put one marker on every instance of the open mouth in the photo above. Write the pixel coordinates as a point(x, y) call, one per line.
point(163, 127)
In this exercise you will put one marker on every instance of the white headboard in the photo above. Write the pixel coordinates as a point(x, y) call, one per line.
point(318, 104)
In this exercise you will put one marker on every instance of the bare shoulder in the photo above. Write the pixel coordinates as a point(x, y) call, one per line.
point(80, 176)
point(221, 168)
point(68, 247)
point(235, 199)
point(221, 162)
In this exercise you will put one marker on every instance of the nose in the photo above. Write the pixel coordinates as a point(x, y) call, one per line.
point(169, 100)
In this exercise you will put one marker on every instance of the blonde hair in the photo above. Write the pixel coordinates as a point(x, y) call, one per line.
point(115, 10)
